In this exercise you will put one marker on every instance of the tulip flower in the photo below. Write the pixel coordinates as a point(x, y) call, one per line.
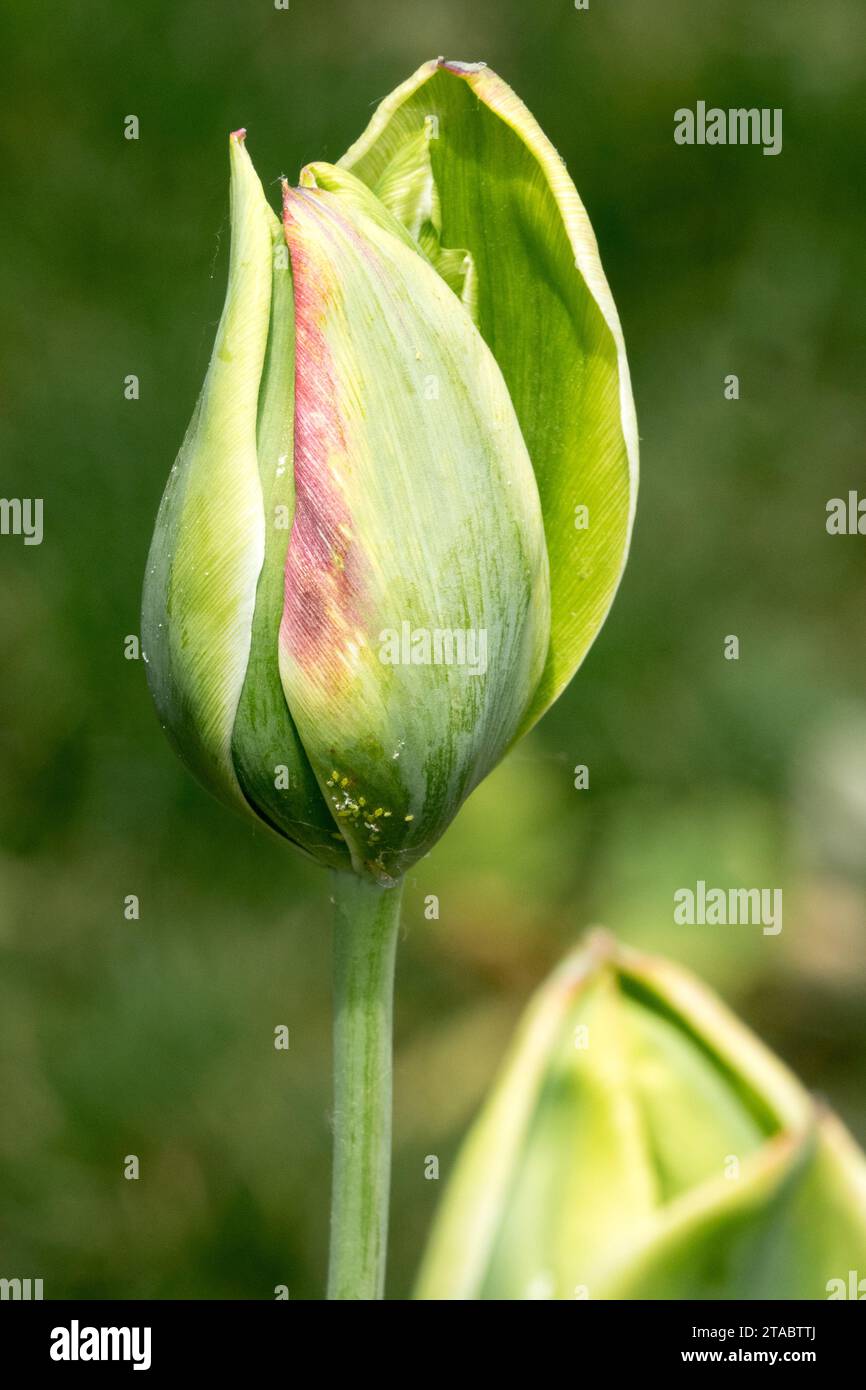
point(395, 526)
point(642, 1143)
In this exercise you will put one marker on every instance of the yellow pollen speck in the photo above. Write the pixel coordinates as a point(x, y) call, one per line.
point(408, 817)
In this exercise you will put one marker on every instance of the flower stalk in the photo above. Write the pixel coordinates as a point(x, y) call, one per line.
point(366, 926)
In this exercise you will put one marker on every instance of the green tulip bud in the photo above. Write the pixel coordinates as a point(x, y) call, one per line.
point(641, 1143)
point(366, 580)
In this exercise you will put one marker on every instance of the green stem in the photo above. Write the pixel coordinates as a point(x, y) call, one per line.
point(366, 924)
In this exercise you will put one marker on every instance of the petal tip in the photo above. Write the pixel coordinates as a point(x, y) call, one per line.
point(461, 69)
point(291, 199)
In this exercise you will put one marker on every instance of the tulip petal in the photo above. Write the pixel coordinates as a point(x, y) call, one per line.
point(415, 504)
point(488, 1211)
point(268, 755)
point(208, 545)
point(543, 306)
point(792, 1226)
point(792, 1221)
point(407, 205)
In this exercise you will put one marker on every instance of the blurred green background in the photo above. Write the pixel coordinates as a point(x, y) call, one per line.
point(156, 1037)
